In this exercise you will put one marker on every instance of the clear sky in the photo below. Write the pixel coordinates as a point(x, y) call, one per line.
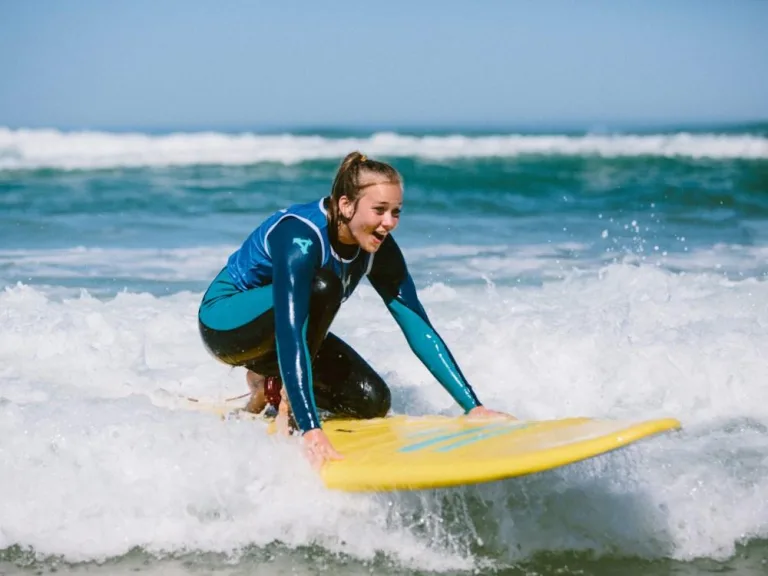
point(239, 63)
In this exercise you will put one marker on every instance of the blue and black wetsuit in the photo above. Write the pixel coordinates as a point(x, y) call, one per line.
point(271, 307)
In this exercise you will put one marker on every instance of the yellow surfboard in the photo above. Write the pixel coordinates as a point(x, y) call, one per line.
point(407, 453)
point(418, 452)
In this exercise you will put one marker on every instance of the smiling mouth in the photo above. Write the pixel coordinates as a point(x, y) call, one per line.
point(380, 237)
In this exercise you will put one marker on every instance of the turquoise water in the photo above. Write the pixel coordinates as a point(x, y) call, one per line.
point(600, 274)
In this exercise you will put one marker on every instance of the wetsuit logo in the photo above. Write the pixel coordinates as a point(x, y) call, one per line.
point(303, 244)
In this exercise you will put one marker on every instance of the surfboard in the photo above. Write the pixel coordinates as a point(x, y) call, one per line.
point(410, 453)
point(420, 452)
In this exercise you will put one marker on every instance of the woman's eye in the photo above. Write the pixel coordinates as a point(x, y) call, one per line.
point(382, 211)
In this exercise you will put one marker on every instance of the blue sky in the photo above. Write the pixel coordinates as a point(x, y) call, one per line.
point(237, 63)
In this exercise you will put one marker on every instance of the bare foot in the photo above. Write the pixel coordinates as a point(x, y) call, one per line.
point(258, 401)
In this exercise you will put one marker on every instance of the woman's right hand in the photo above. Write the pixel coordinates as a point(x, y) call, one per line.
point(319, 449)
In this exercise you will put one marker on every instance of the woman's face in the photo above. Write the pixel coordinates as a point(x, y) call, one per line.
point(377, 214)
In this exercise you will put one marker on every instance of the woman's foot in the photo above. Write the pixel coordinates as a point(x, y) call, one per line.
point(258, 400)
point(268, 392)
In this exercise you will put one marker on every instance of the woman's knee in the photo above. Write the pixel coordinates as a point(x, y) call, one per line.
point(368, 397)
point(378, 398)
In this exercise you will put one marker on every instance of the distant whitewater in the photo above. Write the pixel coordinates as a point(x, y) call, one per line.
point(32, 149)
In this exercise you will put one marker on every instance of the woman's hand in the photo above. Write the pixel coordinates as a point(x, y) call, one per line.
point(317, 446)
point(483, 412)
point(319, 449)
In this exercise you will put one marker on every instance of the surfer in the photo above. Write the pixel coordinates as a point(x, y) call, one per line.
point(270, 307)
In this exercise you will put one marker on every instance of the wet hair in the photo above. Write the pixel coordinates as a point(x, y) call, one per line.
point(350, 182)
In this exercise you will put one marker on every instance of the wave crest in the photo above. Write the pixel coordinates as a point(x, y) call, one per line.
point(27, 149)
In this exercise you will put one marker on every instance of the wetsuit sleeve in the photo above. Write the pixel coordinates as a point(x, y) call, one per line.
point(390, 278)
point(296, 255)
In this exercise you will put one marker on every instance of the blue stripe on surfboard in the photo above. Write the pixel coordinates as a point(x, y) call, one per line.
point(440, 438)
point(475, 434)
point(485, 436)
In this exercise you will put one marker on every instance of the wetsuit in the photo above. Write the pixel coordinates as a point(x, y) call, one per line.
point(270, 309)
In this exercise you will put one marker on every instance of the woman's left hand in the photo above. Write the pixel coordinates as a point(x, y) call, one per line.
point(483, 412)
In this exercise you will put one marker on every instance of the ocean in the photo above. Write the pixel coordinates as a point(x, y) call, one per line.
point(619, 274)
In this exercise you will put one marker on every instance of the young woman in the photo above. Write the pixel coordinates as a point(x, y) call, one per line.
point(271, 307)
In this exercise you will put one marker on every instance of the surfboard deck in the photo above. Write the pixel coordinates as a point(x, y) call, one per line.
point(409, 453)
point(421, 452)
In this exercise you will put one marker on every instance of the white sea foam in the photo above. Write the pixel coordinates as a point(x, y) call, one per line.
point(98, 458)
point(64, 271)
point(168, 264)
point(47, 148)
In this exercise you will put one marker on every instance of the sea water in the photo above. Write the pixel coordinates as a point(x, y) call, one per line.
point(606, 274)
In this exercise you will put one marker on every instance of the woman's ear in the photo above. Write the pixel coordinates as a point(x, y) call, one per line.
point(346, 208)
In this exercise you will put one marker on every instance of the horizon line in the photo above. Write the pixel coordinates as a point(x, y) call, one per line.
point(472, 126)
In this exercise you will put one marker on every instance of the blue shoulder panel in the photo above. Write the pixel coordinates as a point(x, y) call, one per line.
point(251, 264)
